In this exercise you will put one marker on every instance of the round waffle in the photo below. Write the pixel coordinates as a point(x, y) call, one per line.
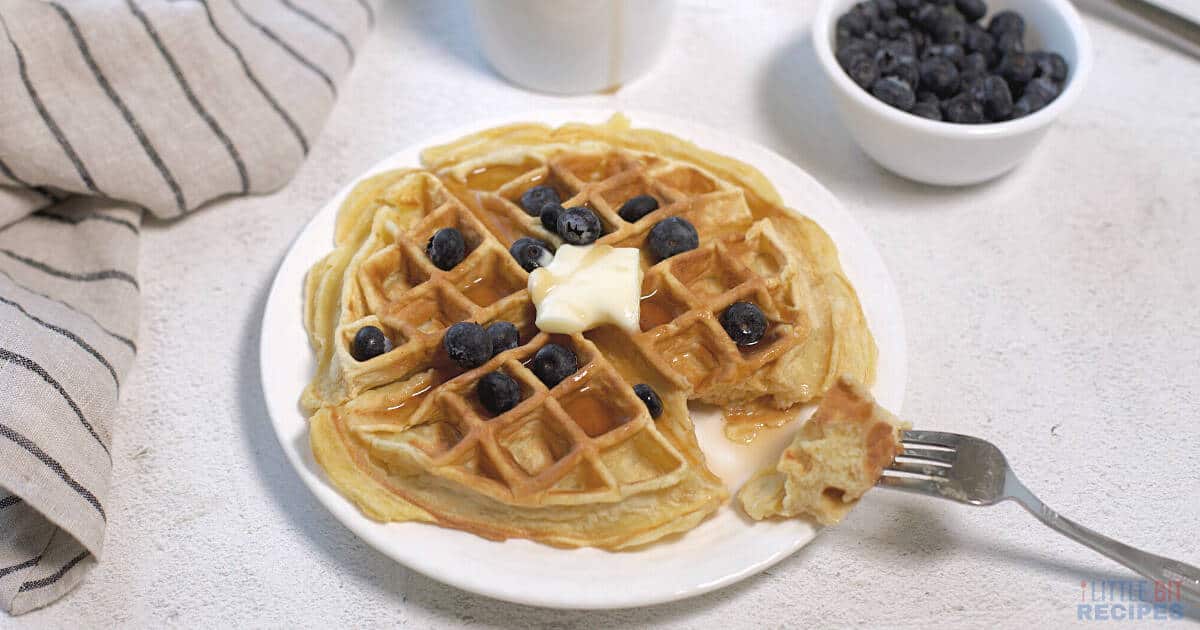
point(581, 463)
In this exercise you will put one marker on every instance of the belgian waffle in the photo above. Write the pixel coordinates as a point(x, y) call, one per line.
point(581, 463)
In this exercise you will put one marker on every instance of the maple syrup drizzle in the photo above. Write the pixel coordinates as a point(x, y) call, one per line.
point(482, 291)
point(744, 421)
point(656, 310)
point(593, 416)
point(405, 407)
point(499, 223)
point(490, 178)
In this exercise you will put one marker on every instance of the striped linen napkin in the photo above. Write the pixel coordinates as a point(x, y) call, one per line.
point(109, 109)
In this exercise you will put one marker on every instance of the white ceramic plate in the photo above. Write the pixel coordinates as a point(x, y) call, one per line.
point(721, 551)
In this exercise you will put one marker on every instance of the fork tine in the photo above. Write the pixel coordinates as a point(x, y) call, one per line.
point(933, 438)
point(939, 457)
point(918, 466)
point(907, 458)
point(911, 444)
point(911, 483)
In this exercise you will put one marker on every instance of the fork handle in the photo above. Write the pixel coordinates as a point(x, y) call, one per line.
point(1154, 567)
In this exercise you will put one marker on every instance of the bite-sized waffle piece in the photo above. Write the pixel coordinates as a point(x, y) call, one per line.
point(835, 458)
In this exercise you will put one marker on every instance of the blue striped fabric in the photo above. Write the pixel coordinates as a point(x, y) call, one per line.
point(171, 104)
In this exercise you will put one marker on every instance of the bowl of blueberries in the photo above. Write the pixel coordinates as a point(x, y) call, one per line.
point(951, 92)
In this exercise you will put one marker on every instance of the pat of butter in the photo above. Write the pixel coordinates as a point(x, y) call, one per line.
point(586, 287)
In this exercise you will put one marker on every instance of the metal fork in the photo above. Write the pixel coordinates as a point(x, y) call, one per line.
point(972, 471)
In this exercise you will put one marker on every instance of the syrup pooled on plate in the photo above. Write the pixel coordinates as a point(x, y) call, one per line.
point(744, 421)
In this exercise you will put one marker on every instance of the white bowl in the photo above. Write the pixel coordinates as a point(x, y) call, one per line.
point(950, 154)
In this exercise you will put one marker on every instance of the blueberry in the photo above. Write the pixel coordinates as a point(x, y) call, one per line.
point(903, 47)
point(1007, 42)
point(894, 92)
point(1007, 22)
point(893, 52)
point(940, 76)
point(907, 7)
point(969, 84)
point(650, 397)
point(842, 38)
point(909, 72)
point(928, 98)
point(963, 109)
point(854, 23)
point(1050, 65)
point(498, 392)
point(1044, 89)
point(892, 61)
point(913, 40)
point(504, 336)
point(950, 28)
point(952, 52)
point(927, 17)
point(550, 213)
point(972, 66)
point(879, 27)
point(992, 92)
point(369, 342)
point(640, 206)
point(977, 40)
point(446, 248)
point(971, 10)
point(854, 48)
point(1028, 103)
point(672, 235)
point(579, 226)
point(552, 363)
point(886, 8)
point(531, 253)
point(896, 26)
point(468, 344)
point(744, 322)
point(1017, 68)
point(536, 197)
point(886, 62)
point(862, 70)
point(868, 10)
point(927, 110)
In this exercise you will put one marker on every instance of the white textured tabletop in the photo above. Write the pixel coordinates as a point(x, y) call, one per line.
point(1054, 311)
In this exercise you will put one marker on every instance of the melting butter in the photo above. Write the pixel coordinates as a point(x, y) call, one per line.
point(586, 287)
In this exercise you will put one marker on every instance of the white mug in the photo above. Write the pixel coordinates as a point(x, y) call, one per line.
point(572, 46)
